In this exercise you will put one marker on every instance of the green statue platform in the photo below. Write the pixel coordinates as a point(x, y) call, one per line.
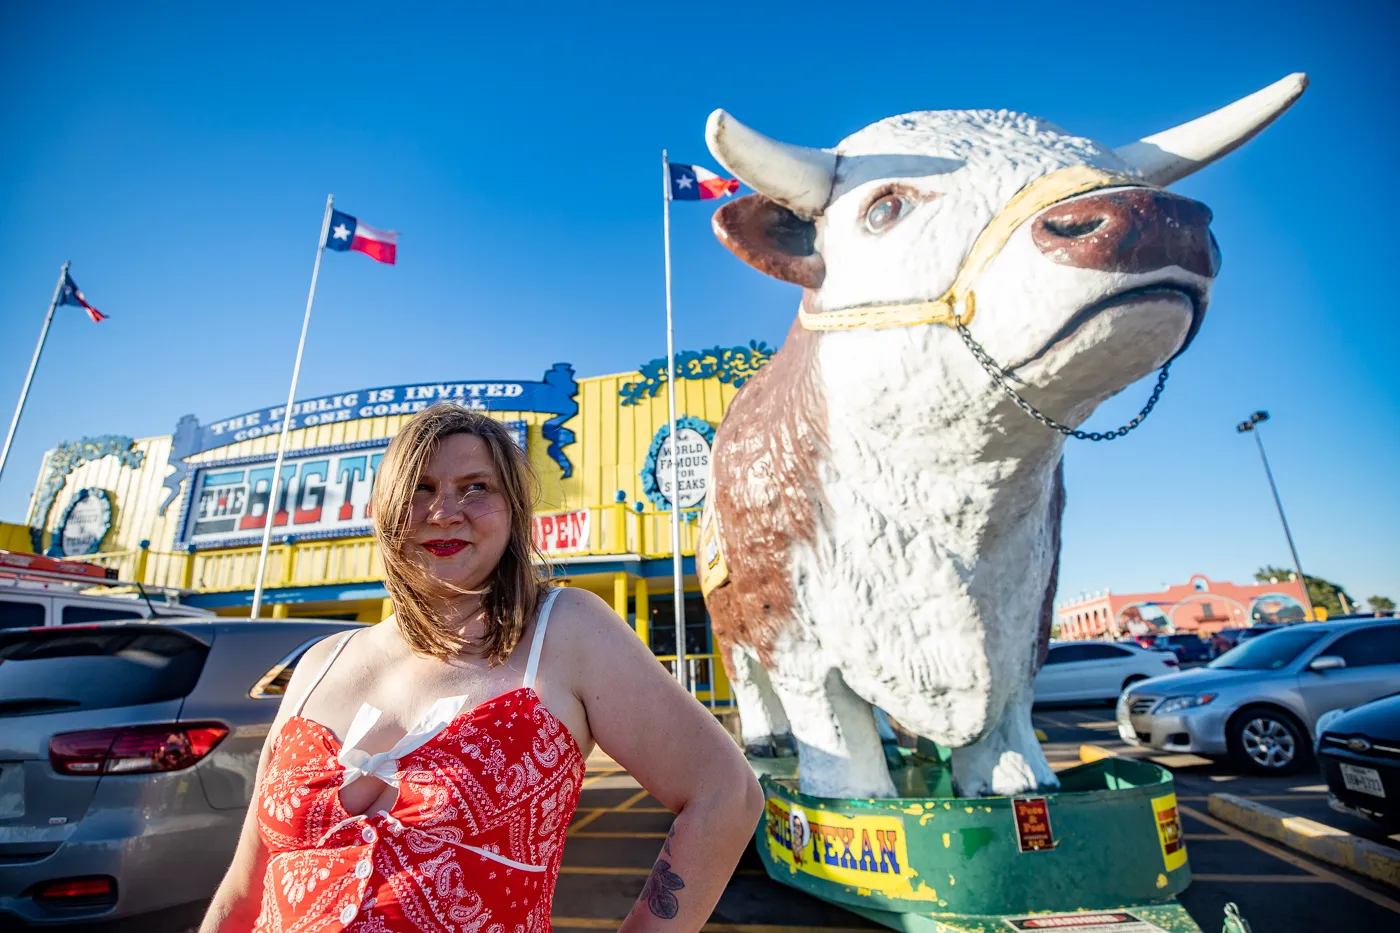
point(1105, 851)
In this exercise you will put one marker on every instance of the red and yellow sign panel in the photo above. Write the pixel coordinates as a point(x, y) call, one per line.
point(1169, 831)
point(1033, 824)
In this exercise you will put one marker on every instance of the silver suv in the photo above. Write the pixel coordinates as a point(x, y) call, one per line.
point(1259, 701)
point(128, 752)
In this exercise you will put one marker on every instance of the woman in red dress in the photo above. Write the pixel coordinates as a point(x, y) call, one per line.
point(421, 773)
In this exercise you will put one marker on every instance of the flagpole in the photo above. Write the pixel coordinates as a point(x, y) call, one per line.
point(678, 581)
point(33, 365)
point(270, 514)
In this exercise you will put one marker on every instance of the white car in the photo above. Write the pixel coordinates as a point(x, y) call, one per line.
point(1093, 670)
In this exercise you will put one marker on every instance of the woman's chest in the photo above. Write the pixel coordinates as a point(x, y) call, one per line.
point(504, 759)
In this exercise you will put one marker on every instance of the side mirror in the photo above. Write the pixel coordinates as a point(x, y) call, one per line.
point(1326, 662)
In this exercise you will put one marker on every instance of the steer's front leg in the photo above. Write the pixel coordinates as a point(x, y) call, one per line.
point(1008, 760)
point(839, 752)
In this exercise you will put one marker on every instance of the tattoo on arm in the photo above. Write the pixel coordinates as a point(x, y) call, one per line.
point(659, 890)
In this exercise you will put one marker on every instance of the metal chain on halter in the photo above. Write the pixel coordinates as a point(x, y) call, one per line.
point(999, 377)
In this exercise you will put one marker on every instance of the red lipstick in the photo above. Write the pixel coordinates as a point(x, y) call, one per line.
point(444, 548)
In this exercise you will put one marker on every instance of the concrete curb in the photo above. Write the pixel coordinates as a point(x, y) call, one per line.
point(1353, 853)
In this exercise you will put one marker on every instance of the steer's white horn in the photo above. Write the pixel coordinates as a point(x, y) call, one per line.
point(796, 177)
point(1175, 153)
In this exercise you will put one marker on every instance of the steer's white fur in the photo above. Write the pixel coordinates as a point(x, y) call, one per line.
point(924, 590)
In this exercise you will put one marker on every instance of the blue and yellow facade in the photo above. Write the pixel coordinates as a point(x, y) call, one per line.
point(187, 510)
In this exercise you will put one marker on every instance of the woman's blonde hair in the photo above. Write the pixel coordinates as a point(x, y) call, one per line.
point(517, 584)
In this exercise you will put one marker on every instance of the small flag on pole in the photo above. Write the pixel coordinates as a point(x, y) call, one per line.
point(73, 295)
point(346, 232)
point(693, 183)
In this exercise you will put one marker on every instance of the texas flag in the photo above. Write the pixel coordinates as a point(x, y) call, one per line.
point(73, 295)
point(693, 183)
point(348, 233)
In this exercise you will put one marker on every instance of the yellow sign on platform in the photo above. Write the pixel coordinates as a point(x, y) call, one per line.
point(710, 563)
point(1169, 831)
point(863, 851)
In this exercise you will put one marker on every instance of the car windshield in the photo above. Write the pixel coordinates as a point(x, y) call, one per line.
point(1268, 652)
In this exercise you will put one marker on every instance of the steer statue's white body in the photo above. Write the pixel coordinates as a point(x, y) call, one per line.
point(884, 518)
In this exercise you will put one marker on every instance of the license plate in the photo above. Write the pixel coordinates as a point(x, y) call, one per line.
point(1363, 780)
point(11, 790)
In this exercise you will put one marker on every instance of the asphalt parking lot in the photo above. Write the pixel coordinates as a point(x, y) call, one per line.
point(1276, 888)
point(617, 833)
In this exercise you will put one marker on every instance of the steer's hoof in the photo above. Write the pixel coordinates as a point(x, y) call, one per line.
point(771, 746)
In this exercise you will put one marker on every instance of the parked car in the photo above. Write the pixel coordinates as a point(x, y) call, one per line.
point(1187, 646)
point(64, 605)
point(128, 753)
point(1254, 631)
point(1223, 640)
point(37, 590)
point(1360, 755)
point(1258, 702)
point(1090, 670)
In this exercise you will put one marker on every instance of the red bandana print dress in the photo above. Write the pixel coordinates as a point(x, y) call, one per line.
point(472, 844)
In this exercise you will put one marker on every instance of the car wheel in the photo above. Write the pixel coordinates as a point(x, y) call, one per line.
point(1132, 679)
point(1268, 741)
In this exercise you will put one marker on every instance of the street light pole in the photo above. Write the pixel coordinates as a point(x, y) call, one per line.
point(1252, 427)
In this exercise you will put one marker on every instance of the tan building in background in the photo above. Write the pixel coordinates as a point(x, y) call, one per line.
point(1200, 605)
point(187, 510)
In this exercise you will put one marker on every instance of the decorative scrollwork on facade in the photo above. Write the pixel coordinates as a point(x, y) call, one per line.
point(66, 458)
point(730, 365)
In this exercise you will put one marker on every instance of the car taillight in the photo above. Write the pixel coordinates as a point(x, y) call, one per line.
point(134, 749)
point(1169, 662)
point(77, 889)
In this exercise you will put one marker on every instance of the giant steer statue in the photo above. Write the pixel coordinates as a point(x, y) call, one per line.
point(884, 522)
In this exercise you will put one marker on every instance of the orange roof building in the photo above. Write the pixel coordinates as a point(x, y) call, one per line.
point(1200, 605)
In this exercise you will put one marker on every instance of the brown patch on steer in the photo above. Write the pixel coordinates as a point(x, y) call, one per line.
point(767, 497)
point(1131, 230)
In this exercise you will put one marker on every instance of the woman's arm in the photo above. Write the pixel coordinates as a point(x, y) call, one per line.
point(238, 899)
point(679, 752)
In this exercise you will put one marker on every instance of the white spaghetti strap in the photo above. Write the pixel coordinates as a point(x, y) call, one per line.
point(534, 663)
point(335, 653)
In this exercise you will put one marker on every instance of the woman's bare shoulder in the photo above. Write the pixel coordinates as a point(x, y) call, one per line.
point(308, 666)
point(597, 641)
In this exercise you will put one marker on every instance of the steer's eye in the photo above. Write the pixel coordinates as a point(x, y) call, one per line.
point(885, 212)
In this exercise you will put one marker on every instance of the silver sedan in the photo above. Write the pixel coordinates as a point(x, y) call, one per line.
point(1259, 702)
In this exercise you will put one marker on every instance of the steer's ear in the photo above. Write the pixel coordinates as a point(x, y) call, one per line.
point(772, 239)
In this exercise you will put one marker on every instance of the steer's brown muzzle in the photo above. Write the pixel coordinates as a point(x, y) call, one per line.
point(1131, 230)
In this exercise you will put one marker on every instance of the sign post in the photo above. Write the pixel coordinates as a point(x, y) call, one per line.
point(678, 581)
point(270, 515)
point(33, 364)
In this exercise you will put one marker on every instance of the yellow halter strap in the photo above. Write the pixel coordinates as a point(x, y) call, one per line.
point(1024, 204)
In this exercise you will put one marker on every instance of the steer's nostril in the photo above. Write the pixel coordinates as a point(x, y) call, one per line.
point(1074, 229)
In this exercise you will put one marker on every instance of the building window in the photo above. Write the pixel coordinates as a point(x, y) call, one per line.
point(663, 625)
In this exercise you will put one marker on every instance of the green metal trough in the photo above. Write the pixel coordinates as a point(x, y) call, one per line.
point(1106, 848)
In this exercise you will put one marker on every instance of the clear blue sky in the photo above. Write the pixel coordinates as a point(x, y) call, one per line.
point(180, 156)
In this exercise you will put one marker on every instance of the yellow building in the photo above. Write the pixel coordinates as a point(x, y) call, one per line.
point(187, 510)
